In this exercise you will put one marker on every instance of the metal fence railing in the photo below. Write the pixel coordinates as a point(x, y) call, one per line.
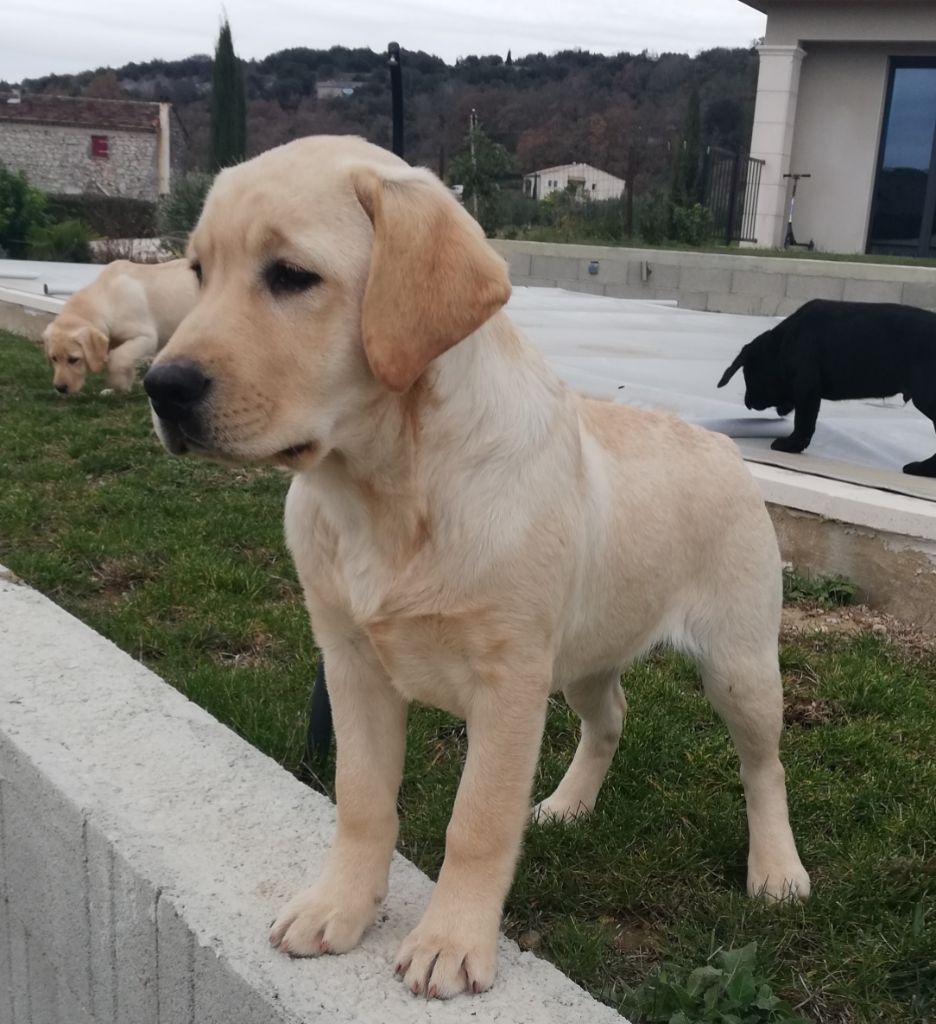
point(731, 185)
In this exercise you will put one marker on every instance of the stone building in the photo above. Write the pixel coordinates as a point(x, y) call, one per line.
point(74, 145)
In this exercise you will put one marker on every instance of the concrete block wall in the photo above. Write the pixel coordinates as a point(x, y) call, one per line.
point(719, 283)
point(145, 848)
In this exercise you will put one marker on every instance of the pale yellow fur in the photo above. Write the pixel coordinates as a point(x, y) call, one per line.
point(475, 537)
point(118, 321)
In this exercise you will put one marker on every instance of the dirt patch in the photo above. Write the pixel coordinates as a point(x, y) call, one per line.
point(809, 713)
point(250, 651)
point(116, 576)
point(633, 935)
point(804, 619)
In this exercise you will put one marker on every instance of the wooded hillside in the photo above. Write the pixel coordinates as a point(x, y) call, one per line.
point(571, 106)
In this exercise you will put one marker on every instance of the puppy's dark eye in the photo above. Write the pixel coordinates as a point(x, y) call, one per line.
point(72, 360)
point(196, 270)
point(288, 279)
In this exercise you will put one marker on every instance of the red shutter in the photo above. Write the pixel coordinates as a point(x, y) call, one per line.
point(99, 146)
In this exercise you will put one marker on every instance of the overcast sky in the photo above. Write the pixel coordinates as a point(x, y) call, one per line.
point(41, 36)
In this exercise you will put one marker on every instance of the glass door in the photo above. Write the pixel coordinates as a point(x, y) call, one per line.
point(903, 214)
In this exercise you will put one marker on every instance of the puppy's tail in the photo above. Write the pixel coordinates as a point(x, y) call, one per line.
point(732, 370)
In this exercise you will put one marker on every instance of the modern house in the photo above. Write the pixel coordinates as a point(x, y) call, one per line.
point(587, 181)
point(72, 145)
point(847, 94)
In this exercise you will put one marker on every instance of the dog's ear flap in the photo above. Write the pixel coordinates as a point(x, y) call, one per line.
point(433, 277)
point(94, 344)
point(733, 369)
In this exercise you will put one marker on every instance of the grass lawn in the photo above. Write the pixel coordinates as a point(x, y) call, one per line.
point(182, 564)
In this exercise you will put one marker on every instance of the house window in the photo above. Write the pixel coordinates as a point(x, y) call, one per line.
point(903, 218)
point(99, 146)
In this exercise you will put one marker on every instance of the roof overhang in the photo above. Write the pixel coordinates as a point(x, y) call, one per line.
point(764, 6)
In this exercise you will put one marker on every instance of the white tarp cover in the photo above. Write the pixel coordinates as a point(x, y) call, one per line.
point(655, 355)
point(658, 356)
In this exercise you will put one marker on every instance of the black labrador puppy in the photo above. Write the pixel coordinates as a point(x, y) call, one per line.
point(839, 350)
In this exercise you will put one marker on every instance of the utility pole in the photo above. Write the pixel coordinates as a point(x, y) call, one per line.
point(396, 96)
point(472, 128)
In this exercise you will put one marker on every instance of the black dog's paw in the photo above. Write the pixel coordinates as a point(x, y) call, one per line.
point(789, 444)
point(925, 468)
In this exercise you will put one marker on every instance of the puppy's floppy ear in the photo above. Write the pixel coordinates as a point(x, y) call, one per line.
point(433, 278)
point(733, 369)
point(94, 344)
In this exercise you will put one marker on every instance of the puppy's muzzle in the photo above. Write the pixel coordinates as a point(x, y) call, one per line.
point(177, 393)
point(176, 390)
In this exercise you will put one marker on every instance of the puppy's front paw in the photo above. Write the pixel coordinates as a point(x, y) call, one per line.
point(789, 444)
point(322, 920)
point(779, 883)
point(106, 391)
point(439, 958)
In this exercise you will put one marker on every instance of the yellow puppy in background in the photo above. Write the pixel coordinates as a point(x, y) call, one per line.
point(469, 533)
point(118, 321)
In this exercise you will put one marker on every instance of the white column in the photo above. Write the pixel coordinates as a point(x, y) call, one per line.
point(162, 144)
point(772, 140)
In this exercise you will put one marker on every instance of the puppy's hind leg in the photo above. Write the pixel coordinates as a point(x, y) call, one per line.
point(600, 702)
point(743, 683)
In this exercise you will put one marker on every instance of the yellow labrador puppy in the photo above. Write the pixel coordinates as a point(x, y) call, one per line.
point(469, 532)
point(119, 320)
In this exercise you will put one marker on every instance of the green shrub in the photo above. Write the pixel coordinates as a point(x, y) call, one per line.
point(691, 224)
point(107, 216)
point(65, 242)
point(22, 209)
point(726, 990)
point(828, 591)
point(179, 211)
point(651, 214)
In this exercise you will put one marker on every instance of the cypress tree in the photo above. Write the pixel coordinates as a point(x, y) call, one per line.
point(228, 104)
point(693, 135)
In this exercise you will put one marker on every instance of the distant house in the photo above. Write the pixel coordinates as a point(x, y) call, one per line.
point(847, 95)
point(73, 145)
point(587, 181)
point(333, 89)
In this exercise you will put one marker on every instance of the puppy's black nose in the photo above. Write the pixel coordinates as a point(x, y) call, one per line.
point(175, 389)
point(62, 389)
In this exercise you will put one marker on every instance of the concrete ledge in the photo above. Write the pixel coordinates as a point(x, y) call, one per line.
point(718, 282)
point(144, 849)
point(884, 543)
point(26, 314)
